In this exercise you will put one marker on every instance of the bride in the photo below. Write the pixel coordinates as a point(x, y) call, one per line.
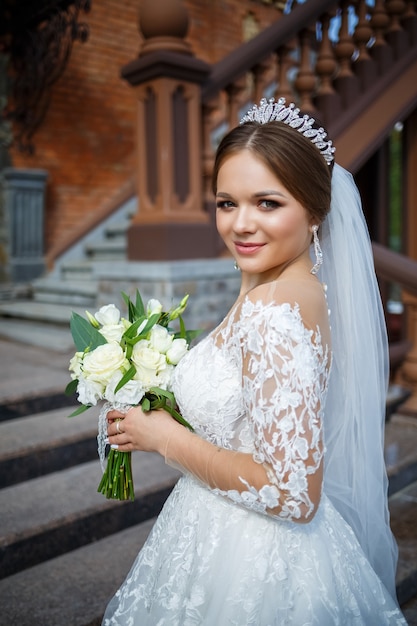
point(281, 514)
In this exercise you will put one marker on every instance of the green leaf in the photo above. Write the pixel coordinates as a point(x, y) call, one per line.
point(125, 379)
point(145, 404)
point(139, 304)
point(81, 409)
point(131, 310)
point(163, 320)
point(156, 402)
point(132, 330)
point(125, 298)
point(134, 310)
point(189, 335)
point(143, 333)
point(71, 388)
point(178, 417)
point(85, 336)
point(157, 398)
point(183, 331)
point(164, 393)
point(192, 334)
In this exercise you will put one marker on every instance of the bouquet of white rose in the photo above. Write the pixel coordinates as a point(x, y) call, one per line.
point(126, 362)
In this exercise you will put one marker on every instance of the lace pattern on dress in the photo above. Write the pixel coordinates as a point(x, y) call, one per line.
point(208, 562)
point(278, 372)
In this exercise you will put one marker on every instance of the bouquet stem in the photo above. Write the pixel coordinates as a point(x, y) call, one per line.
point(116, 482)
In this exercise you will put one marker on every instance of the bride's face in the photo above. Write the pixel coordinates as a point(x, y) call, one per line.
point(262, 224)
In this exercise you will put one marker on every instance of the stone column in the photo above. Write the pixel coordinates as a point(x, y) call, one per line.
point(170, 223)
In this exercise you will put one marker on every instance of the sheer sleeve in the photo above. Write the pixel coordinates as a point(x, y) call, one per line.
point(284, 378)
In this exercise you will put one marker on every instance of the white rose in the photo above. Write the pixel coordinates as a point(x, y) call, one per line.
point(112, 332)
point(75, 365)
point(101, 363)
point(160, 339)
point(131, 392)
point(148, 363)
point(89, 391)
point(163, 378)
point(154, 306)
point(126, 323)
point(177, 351)
point(108, 314)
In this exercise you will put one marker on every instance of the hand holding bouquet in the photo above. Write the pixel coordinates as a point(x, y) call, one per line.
point(126, 362)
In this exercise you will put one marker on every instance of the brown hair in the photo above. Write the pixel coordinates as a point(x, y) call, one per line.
point(293, 159)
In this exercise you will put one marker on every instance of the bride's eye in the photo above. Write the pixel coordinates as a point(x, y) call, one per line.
point(225, 204)
point(269, 205)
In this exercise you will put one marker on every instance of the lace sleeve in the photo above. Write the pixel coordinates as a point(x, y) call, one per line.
point(284, 380)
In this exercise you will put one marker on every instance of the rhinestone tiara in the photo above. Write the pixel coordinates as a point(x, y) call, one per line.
point(269, 111)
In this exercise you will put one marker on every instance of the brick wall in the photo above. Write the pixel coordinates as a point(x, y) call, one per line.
point(87, 140)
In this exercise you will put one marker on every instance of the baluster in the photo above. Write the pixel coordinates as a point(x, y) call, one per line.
point(395, 35)
point(285, 63)
point(364, 66)
point(208, 153)
point(380, 51)
point(346, 83)
point(410, 22)
point(328, 101)
point(234, 92)
point(305, 82)
point(261, 74)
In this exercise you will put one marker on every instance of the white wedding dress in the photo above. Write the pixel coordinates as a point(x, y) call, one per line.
point(256, 384)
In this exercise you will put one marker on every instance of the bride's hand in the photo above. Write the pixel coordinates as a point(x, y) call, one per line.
point(137, 430)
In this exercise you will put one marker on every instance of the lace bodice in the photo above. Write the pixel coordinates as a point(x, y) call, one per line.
point(257, 384)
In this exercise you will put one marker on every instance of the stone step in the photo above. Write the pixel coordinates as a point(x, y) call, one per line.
point(71, 293)
point(15, 291)
point(32, 378)
point(403, 510)
point(401, 452)
point(401, 462)
point(77, 270)
point(48, 516)
point(396, 396)
point(54, 337)
point(409, 610)
point(117, 230)
point(107, 250)
point(41, 324)
point(46, 313)
point(72, 589)
point(44, 443)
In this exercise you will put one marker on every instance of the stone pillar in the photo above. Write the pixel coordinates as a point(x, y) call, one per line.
point(22, 224)
point(170, 223)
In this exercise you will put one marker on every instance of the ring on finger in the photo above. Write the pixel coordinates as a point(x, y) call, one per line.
point(119, 432)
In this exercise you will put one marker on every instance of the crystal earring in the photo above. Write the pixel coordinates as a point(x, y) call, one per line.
point(236, 266)
point(317, 251)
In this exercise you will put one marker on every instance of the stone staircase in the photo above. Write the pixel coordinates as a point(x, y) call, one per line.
point(47, 302)
point(64, 548)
